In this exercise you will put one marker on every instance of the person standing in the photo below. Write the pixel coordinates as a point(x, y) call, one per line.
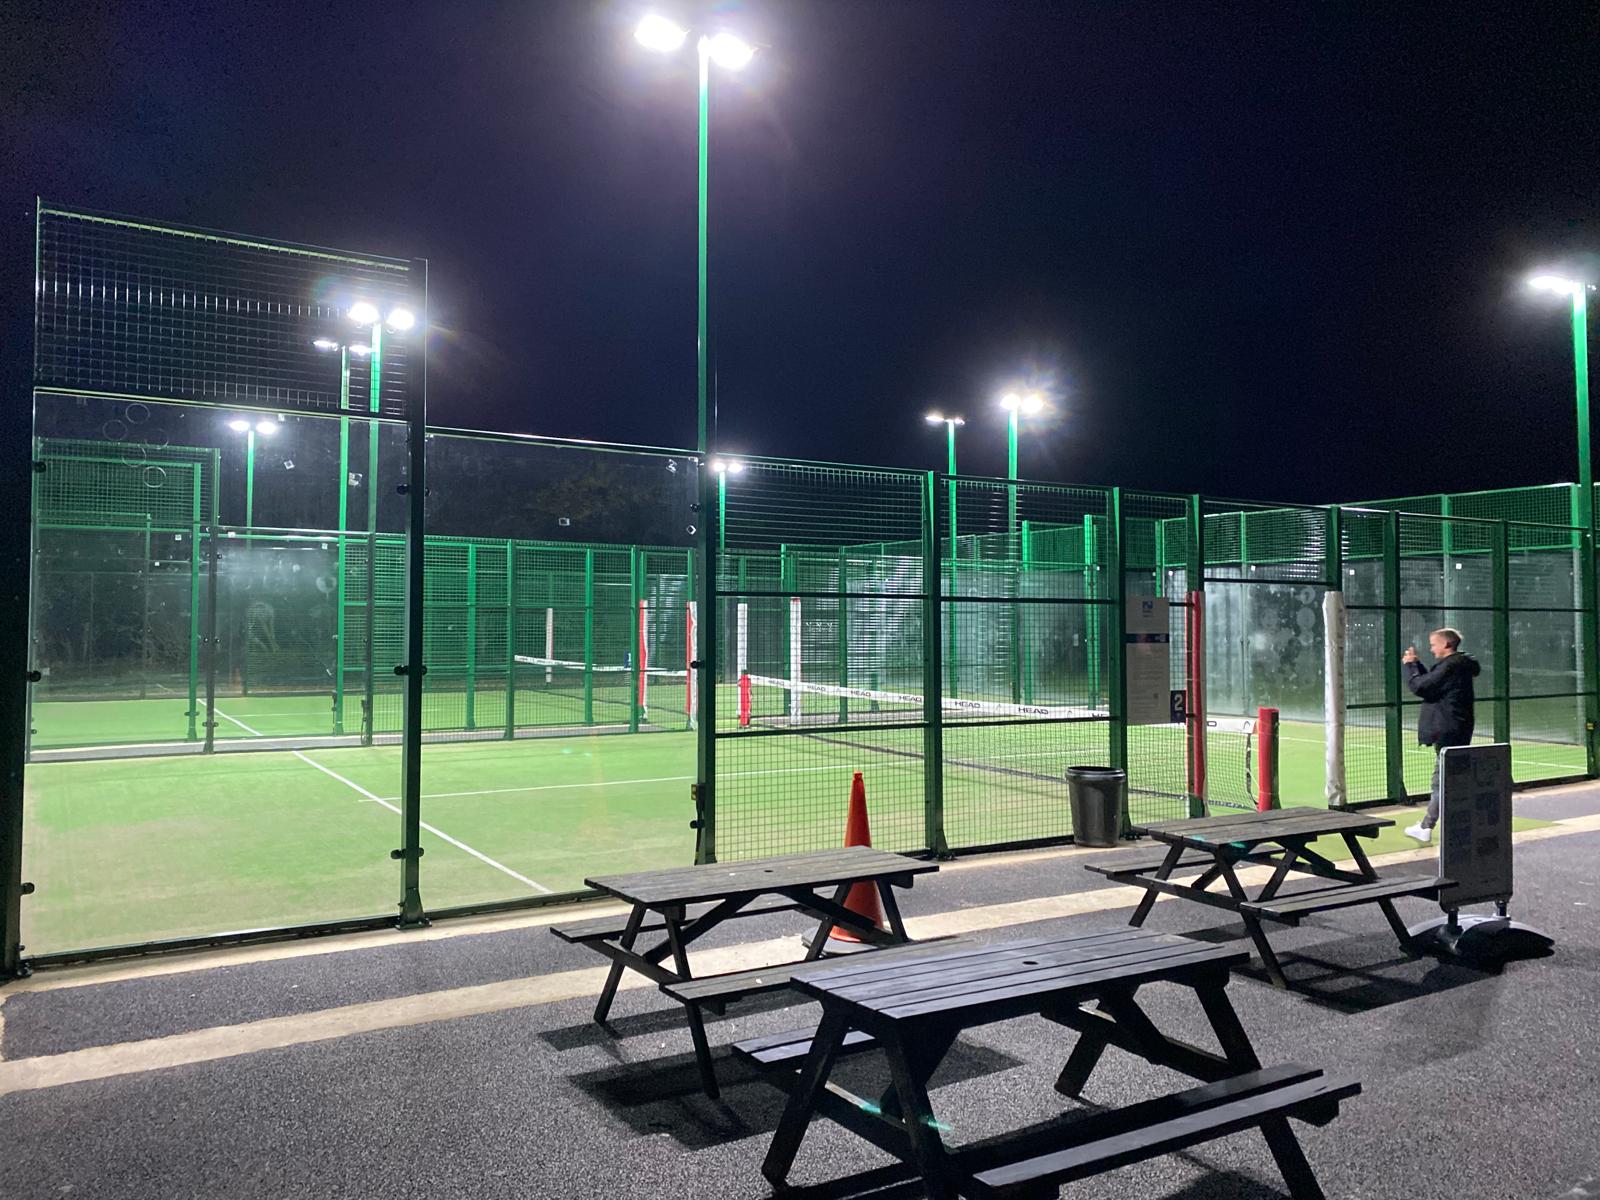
point(1447, 694)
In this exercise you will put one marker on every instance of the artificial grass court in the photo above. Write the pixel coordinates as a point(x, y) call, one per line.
point(134, 849)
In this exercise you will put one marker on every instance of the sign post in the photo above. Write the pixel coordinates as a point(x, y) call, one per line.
point(1475, 859)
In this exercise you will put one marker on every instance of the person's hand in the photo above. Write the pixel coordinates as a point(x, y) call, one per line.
point(1410, 656)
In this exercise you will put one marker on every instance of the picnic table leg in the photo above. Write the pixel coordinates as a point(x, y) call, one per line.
point(930, 1053)
point(802, 1100)
point(1252, 926)
point(1353, 843)
point(910, 1072)
point(1280, 873)
point(630, 934)
point(1085, 1056)
point(891, 910)
point(819, 940)
point(697, 1024)
point(1142, 910)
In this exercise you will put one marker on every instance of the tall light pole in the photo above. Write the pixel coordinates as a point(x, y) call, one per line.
point(1583, 509)
point(365, 315)
point(346, 350)
point(1580, 370)
point(731, 53)
point(950, 424)
point(723, 467)
point(250, 428)
point(1017, 405)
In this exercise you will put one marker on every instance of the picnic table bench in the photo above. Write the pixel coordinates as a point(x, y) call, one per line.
point(686, 903)
point(914, 1010)
point(1280, 839)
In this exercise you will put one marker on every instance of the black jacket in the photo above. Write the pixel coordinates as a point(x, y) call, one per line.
point(1447, 696)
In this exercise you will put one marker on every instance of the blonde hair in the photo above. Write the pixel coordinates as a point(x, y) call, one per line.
point(1452, 638)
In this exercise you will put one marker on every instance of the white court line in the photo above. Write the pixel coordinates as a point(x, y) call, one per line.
point(437, 832)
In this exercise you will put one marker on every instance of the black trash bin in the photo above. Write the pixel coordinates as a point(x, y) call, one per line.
point(1097, 795)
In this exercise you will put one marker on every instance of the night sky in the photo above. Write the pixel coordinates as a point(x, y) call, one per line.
point(1258, 250)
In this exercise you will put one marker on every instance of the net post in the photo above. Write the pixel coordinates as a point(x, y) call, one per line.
point(1195, 645)
point(1393, 726)
point(933, 832)
point(472, 635)
point(416, 494)
point(844, 632)
point(588, 635)
point(511, 639)
point(1500, 598)
point(636, 613)
point(1118, 681)
point(1267, 794)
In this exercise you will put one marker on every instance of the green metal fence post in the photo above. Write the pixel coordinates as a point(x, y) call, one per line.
point(369, 681)
point(1194, 570)
point(1588, 599)
point(341, 584)
point(635, 599)
point(17, 672)
point(472, 635)
point(1447, 551)
point(195, 521)
point(588, 637)
point(786, 584)
point(1092, 591)
point(703, 663)
point(511, 639)
point(1393, 725)
point(1500, 598)
point(213, 643)
point(844, 632)
point(1023, 658)
point(932, 674)
point(415, 668)
point(1117, 547)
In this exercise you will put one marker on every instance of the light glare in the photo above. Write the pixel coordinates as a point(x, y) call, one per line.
point(364, 313)
point(267, 427)
point(1011, 402)
point(239, 425)
point(1554, 283)
point(935, 418)
point(402, 319)
point(361, 350)
point(657, 33)
point(730, 52)
point(325, 344)
point(1032, 404)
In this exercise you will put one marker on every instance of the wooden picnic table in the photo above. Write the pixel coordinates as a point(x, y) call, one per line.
point(914, 1010)
point(686, 903)
point(1280, 839)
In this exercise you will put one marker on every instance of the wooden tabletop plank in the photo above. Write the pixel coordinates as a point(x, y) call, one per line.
point(1050, 963)
point(993, 1003)
point(689, 885)
point(1264, 826)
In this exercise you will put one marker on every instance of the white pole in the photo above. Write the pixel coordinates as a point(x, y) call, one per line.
point(549, 641)
point(742, 641)
point(796, 626)
point(1335, 623)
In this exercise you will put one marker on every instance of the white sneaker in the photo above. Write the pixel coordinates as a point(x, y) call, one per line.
point(1420, 833)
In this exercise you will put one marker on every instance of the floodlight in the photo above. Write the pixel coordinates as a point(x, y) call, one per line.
point(364, 313)
point(956, 420)
point(1554, 283)
point(1011, 402)
point(730, 52)
point(735, 467)
point(265, 426)
point(1032, 404)
point(401, 319)
point(361, 350)
point(657, 33)
point(934, 418)
point(325, 344)
point(239, 425)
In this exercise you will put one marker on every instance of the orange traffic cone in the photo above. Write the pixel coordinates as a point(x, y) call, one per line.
point(863, 898)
